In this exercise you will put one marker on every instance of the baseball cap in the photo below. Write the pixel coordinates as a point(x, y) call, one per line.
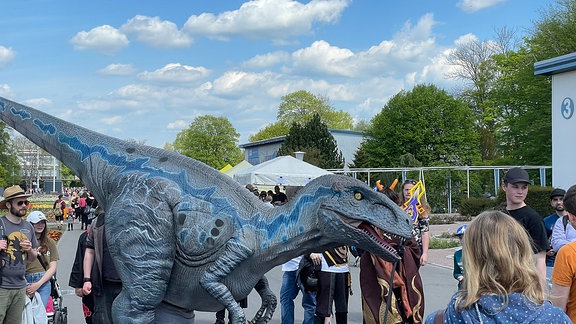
point(516, 175)
point(557, 192)
point(35, 217)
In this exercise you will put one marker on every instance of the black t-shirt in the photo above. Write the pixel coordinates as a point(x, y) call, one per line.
point(281, 197)
point(534, 225)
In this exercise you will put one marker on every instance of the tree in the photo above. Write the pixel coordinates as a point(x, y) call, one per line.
point(299, 107)
point(473, 63)
point(314, 139)
point(211, 140)
point(434, 127)
point(270, 131)
point(9, 166)
point(523, 100)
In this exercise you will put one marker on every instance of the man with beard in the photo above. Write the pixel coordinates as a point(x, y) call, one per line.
point(17, 244)
point(562, 232)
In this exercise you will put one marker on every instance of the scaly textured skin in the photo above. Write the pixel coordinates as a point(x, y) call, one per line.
point(182, 233)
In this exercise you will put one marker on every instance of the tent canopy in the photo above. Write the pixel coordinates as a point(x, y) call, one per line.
point(283, 170)
point(237, 168)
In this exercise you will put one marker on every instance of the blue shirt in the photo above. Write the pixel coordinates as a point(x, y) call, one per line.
point(518, 310)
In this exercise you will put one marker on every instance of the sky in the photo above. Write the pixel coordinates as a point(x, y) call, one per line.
point(144, 70)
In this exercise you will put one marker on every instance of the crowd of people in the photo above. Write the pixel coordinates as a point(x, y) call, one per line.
point(513, 266)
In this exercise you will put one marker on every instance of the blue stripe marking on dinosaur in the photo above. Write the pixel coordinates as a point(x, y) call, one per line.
point(23, 114)
point(45, 128)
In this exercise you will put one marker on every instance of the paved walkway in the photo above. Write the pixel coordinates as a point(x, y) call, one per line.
point(439, 285)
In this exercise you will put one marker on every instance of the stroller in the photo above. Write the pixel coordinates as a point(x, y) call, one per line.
point(58, 314)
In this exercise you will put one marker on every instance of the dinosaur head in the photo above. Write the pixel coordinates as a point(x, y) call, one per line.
point(349, 212)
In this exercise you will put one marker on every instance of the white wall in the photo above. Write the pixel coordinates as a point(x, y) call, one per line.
point(563, 130)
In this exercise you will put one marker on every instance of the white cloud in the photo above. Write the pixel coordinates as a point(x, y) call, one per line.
point(239, 82)
point(5, 90)
point(112, 120)
point(38, 102)
point(475, 5)
point(178, 124)
point(275, 19)
point(118, 69)
point(267, 60)
point(6, 55)
point(408, 51)
point(156, 33)
point(103, 39)
point(324, 58)
point(175, 72)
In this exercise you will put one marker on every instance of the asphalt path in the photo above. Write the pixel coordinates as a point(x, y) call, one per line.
point(439, 286)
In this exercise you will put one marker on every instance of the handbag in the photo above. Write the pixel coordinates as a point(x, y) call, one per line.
point(55, 288)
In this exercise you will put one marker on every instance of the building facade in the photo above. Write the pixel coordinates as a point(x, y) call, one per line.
point(347, 141)
point(562, 69)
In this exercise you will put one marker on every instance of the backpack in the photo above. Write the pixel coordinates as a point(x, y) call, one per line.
point(307, 275)
point(57, 211)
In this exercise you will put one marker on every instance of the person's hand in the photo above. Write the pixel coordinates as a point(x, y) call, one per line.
point(26, 245)
point(32, 288)
point(423, 259)
point(79, 292)
point(3, 244)
point(87, 288)
point(460, 278)
point(316, 258)
point(550, 252)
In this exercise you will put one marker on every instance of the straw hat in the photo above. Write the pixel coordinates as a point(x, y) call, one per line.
point(11, 193)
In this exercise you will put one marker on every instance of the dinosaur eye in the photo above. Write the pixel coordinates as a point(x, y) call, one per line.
point(358, 196)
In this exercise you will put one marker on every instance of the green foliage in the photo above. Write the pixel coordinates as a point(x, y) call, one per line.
point(443, 243)
point(211, 140)
point(524, 102)
point(299, 107)
point(270, 131)
point(474, 206)
point(554, 33)
point(538, 198)
point(314, 139)
point(432, 126)
point(9, 166)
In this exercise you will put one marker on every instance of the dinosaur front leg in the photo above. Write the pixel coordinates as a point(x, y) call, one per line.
point(233, 255)
point(264, 314)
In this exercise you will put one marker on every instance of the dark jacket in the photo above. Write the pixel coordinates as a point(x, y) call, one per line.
point(77, 273)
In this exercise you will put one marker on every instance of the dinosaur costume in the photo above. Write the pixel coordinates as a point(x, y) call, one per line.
point(183, 234)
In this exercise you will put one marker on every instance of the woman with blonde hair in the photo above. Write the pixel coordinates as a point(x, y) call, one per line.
point(501, 284)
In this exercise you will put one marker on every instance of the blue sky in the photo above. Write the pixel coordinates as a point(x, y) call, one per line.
point(144, 70)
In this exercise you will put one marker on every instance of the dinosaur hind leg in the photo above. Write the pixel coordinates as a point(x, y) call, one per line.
point(233, 254)
point(269, 301)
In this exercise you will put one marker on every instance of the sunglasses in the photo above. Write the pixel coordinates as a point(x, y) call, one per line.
point(410, 181)
point(23, 202)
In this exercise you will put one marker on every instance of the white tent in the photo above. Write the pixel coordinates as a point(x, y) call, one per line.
point(283, 170)
point(237, 168)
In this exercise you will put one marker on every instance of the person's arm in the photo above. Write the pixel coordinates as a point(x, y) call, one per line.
point(87, 265)
point(425, 243)
point(559, 296)
point(33, 287)
point(77, 272)
point(558, 238)
point(540, 259)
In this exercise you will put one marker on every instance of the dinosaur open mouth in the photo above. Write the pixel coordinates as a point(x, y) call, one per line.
point(370, 231)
